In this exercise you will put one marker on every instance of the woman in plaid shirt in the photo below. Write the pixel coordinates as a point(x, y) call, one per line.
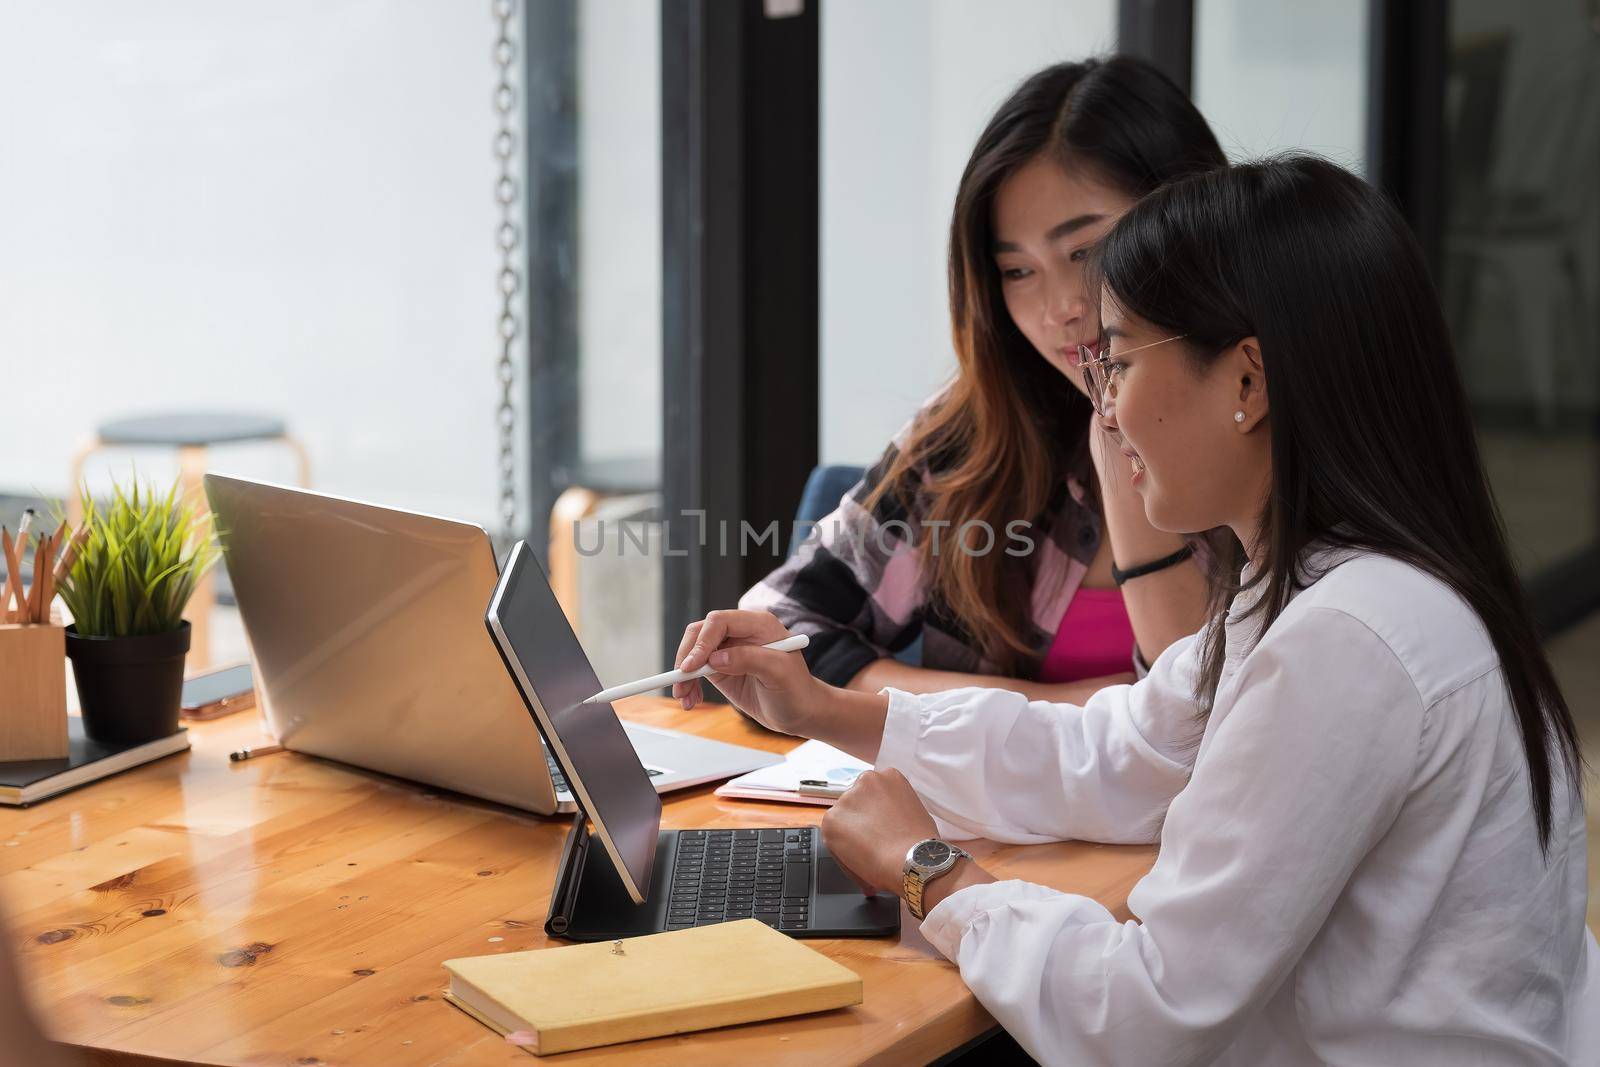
point(994, 528)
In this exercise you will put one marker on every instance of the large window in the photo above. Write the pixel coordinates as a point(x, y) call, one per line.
point(906, 89)
point(285, 209)
point(1271, 76)
point(293, 211)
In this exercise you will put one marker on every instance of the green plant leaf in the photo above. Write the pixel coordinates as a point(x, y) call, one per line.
point(143, 556)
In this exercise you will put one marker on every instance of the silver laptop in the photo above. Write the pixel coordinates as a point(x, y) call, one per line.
point(366, 627)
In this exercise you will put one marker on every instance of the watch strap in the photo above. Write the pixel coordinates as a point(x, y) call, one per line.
point(916, 883)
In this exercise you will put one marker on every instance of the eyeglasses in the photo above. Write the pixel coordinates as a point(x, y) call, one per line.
point(1101, 374)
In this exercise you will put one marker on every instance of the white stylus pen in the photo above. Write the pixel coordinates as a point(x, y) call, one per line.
point(660, 681)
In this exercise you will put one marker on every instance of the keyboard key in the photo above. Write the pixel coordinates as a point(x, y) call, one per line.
point(797, 880)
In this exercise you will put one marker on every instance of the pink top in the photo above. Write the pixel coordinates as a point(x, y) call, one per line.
point(1094, 639)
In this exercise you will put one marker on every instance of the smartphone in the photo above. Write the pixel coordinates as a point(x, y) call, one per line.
point(219, 692)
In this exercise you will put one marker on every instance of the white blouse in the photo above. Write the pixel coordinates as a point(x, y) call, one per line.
point(1349, 870)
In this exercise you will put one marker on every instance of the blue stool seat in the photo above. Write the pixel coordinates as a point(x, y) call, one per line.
point(192, 429)
point(824, 490)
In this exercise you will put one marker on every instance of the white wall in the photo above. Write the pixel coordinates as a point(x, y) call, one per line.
point(906, 88)
point(285, 207)
point(1279, 74)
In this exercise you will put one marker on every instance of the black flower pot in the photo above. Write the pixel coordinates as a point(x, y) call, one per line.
point(131, 688)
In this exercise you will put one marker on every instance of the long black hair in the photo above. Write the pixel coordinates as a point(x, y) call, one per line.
point(1372, 441)
point(1011, 428)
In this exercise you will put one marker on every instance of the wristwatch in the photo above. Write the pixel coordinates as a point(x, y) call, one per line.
point(926, 861)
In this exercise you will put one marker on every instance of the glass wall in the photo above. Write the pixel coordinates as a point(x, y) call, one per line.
point(906, 88)
point(292, 210)
point(1270, 76)
point(612, 565)
point(1521, 270)
point(284, 209)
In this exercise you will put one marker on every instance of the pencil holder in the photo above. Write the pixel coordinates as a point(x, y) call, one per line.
point(33, 692)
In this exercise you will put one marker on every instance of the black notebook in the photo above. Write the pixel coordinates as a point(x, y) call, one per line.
point(25, 781)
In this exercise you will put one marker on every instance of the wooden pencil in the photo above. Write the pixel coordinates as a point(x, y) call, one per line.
point(47, 578)
point(13, 574)
point(41, 568)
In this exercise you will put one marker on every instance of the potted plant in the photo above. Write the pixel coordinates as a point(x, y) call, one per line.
point(141, 557)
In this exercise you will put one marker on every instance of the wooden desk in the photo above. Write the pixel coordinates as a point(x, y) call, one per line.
point(290, 911)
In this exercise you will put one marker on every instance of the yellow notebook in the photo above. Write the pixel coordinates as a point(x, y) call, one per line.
point(581, 996)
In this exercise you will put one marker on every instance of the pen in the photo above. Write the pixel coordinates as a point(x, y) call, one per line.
point(816, 787)
point(24, 597)
point(70, 556)
point(250, 753)
point(659, 681)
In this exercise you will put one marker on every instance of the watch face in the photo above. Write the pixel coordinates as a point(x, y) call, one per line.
point(930, 854)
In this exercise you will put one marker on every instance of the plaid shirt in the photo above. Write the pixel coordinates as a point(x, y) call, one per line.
point(856, 589)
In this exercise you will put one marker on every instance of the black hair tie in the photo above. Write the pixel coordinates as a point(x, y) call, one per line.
point(1120, 576)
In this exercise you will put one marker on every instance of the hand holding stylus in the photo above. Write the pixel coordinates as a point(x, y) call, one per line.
point(675, 678)
point(774, 688)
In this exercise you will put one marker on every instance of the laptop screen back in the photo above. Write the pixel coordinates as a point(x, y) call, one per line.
point(554, 675)
point(366, 628)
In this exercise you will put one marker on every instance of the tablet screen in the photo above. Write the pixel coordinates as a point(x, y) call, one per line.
point(554, 675)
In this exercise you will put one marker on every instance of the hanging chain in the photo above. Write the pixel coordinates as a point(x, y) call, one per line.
point(509, 238)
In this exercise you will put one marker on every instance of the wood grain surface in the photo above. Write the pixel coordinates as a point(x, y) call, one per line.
point(291, 911)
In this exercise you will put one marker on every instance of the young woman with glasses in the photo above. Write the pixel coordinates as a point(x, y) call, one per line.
point(1363, 777)
point(991, 530)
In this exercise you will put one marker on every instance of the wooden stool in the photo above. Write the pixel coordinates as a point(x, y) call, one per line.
point(191, 433)
point(584, 489)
